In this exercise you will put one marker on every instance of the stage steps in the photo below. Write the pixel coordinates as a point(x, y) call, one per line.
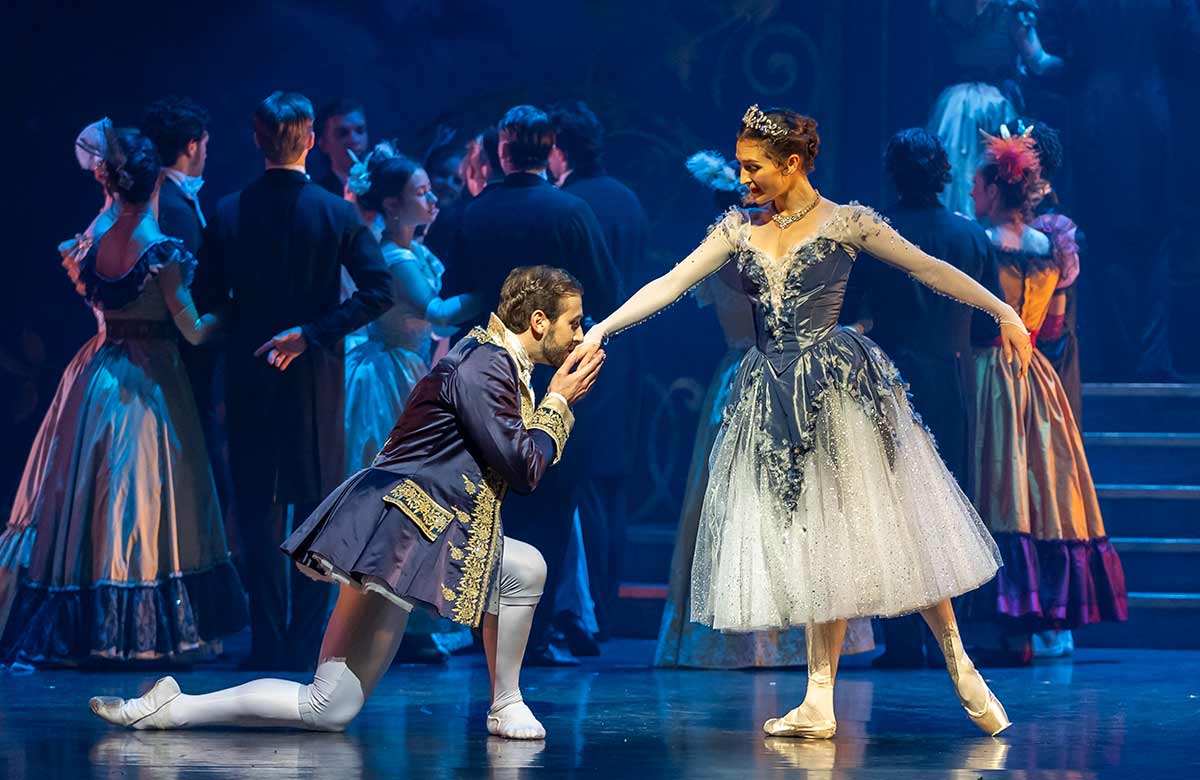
point(1143, 447)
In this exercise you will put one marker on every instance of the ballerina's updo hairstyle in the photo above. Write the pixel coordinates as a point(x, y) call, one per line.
point(389, 177)
point(801, 137)
point(131, 165)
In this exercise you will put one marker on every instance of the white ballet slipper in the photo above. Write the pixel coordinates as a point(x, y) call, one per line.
point(515, 721)
point(144, 712)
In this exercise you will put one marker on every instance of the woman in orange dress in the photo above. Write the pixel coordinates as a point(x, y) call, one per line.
point(1034, 488)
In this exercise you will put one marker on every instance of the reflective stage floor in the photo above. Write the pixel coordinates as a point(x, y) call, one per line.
point(1106, 713)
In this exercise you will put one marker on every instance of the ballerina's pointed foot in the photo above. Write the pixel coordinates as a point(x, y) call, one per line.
point(801, 724)
point(992, 719)
point(982, 706)
point(143, 712)
point(515, 721)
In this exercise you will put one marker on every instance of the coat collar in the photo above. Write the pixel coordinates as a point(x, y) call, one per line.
point(498, 334)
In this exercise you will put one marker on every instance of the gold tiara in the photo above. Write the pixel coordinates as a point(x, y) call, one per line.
point(755, 119)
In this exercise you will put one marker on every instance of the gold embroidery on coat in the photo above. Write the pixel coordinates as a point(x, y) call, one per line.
point(550, 421)
point(429, 516)
point(483, 536)
point(494, 335)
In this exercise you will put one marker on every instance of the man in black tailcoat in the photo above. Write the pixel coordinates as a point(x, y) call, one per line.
point(273, 254)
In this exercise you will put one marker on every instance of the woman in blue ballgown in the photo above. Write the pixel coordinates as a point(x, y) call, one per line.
point(16, 538)
point(129, 561)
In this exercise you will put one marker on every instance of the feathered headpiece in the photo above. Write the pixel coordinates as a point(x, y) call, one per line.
point(711, 170)
point(359, 180)
point(1012, 154)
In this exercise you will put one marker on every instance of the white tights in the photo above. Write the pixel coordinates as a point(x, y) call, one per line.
point(360, 643)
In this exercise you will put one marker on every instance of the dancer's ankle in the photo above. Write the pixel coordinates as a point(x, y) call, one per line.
point(505, 698)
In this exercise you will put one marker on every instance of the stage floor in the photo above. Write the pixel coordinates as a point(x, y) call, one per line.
point(1106, 713)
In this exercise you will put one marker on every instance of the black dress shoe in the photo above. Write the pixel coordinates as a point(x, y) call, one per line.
point(577, 638)
point(549, 655)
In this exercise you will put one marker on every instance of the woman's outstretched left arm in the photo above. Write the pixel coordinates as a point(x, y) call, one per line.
point(868, 231)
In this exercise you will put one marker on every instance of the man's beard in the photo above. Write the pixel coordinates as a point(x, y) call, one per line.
point(556, 354)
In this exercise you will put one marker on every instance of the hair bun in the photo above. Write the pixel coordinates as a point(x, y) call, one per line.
point(801, 138)
point(131, 165)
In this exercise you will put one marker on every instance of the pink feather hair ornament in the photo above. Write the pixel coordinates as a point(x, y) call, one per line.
point(1012, 154)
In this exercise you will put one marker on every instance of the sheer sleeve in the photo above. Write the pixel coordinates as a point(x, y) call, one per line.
point(705, 260)
point(868, 231)
point(173, 278)
point(413, 287)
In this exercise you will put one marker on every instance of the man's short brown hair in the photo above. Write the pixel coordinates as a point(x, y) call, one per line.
point(534, 288)
point(283, 123)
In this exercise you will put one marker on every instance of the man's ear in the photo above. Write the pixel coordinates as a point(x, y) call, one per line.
point(192, 148)
point(539, 323)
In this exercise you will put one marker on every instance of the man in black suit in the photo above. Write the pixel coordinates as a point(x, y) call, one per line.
point(577, 165)
point(929, 336)
point(341, 129)
point(179, 129)
point(273, 255)
point(481, 167)
point(521, 220)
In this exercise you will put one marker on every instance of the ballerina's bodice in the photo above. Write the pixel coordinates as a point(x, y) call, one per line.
point(797, 297)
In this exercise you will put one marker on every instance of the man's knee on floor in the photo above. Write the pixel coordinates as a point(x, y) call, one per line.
point(332, 699)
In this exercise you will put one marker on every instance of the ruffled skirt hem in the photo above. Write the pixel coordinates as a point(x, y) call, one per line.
point(165, 619)
point(1053, 584)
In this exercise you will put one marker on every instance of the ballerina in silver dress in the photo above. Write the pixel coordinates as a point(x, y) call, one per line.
point(826, 498)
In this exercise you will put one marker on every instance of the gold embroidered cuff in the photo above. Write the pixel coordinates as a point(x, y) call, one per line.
point(416, 504)
point(554, 417)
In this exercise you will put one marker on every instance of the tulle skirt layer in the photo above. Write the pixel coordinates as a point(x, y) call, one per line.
point(846, 511)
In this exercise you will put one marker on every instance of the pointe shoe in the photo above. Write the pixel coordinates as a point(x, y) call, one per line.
point(137, 713)
point(799, 723)
point(799, 727)
point(991, 718)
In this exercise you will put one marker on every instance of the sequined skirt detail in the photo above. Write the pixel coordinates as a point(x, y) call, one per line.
point(827, 498)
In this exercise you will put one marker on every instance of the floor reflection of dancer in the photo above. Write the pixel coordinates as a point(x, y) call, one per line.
point(826, 497)
point(422, 524)
point(682, 642)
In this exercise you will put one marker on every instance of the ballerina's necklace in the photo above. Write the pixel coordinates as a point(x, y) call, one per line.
point(783, 222)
